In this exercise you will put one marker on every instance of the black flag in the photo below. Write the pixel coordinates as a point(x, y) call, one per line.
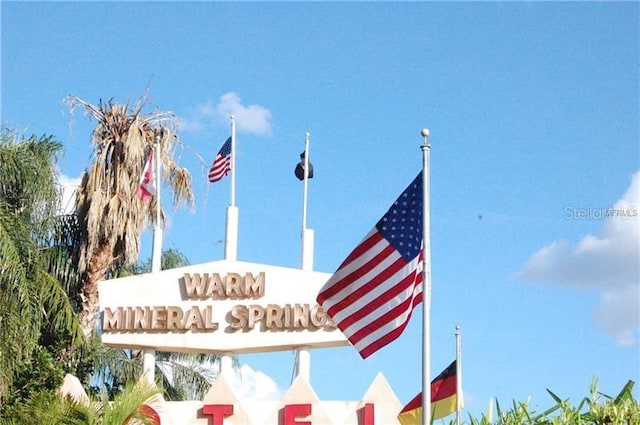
point(299, 172)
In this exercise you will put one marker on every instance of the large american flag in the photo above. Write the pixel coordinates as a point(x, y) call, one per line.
point(372, 294)
point(222, 163)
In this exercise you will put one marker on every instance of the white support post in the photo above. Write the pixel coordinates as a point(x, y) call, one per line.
point(307, 249)
point(231, 238)
point(226, 364)
point(303, 365)
point(149, 365)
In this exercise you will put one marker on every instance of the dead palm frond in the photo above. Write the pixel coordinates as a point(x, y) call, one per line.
point(110, 215)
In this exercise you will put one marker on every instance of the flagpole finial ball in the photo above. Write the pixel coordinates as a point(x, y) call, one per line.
point(425, 132)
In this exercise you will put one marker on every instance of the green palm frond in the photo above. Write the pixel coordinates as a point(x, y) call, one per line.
point(183, 376)
point(48, 407)
point(125, 407)
point(31, 298)
point(114, 366)
point(57, 309)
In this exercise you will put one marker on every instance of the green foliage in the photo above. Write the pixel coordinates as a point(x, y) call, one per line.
point(40, 288)
point(112, 368)
point(47, 407)
point(42, 372)
point(125, 405)
point(598, 409)
point(36, 309)
point(605, 410)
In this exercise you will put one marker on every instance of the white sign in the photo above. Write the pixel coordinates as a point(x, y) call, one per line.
point(218, 307)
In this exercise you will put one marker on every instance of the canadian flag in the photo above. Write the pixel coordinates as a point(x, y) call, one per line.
point(147, 187)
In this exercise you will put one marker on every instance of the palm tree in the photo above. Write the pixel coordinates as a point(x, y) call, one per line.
point(182, 376)
point(126, 408)
point(34, 301)
point(110, 215)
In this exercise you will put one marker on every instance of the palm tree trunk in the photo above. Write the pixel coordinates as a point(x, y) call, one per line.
point(96, 271)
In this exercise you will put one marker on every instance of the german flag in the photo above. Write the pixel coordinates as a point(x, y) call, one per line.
point(443, 399)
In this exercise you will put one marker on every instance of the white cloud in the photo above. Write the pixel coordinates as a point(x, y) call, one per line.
point(69, 186)
point(252, 119)
point(251, 385)
point(248, 385)
point(618, 313)
point(608, 262)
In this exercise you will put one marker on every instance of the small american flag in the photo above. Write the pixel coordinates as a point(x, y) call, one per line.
point(372, 294)
point(222, 163)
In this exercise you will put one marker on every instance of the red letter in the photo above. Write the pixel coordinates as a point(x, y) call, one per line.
point(366, 415)
point(293, 410)
point(218, 412)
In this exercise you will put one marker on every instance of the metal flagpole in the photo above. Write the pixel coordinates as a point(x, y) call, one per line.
point(231, 236)
point(459, 395)
point(307, 234)
point(303, 356)
point(305, 180)
point(233, 161)
point(426, 284)
point(149, 354)
point(157, 230)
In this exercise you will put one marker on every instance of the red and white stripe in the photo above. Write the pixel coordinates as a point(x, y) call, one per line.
point(220, 168)
point(373, 293)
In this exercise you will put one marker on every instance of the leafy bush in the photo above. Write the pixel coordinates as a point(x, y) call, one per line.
point(597, 409)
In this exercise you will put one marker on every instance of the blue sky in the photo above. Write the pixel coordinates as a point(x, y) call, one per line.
point(534, 116)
